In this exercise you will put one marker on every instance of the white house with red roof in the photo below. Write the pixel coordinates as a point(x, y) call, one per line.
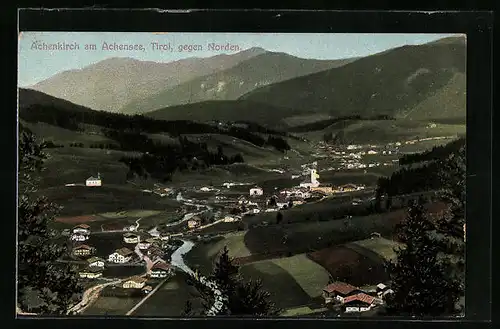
point(160, 270)
point(81, 229)
point(338, 291)
point(359, 302)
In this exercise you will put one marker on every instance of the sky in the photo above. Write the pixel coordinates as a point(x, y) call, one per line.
point(37, 63)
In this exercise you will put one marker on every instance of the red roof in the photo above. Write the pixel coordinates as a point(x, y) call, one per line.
point(161, 266)
point(362, 297)
point(340, 287)
point(83, 246)
point(85, 226)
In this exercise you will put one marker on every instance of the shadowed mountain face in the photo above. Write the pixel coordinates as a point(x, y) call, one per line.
point(110, 84)
point(261, 70)
point(391, 83)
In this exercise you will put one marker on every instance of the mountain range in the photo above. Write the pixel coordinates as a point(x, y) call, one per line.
point(230, 84)
point(114, 82)
point(390, 83)
point(420, 82)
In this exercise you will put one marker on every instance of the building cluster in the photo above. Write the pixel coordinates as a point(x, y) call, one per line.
point(258, 201)
point(353, 299)
point(148, 249)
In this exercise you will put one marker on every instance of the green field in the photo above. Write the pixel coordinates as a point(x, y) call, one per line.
point(203, 254)
point(384, 131)
point(310, 276)
point(284, 289)
point(104, 306)
point(380, 246)
point(170, 299)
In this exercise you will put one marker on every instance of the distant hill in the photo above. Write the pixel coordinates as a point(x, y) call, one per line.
point(238, 110)
point(110, 84)
point(230, 84)
point(30, 97)
point(450, 101)
point(389, 83)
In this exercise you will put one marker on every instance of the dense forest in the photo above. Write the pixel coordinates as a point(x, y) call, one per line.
point(74, 120)
point(436, 153)
point(160, 160)
point(320, 125)
point(427, 176)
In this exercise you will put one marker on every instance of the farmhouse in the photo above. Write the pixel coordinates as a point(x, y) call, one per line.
point(256, 191)
point(282, 202)
point(382, 290)
point(91, 273)
point(230, 219)
point(143, 245)
point(82, 250)
point(338, 291)
point(242, 200)
point(131, 238)
point(153, 250)
point(135, 282)
point(350, 188)
point(160, 270)
point(121, 256)
point(94, 181)
point(296, 201)
point(81, 229)
point(95, 262)
point(323, 189)
point(79, 237)
point(194, 222)
point(147, 289)
point(360, 302)
point(253, 209)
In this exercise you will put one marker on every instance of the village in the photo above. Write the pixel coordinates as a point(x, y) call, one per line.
point(151, 252)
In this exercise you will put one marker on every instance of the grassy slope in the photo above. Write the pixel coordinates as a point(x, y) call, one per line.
point(227, 110)
point(385, 83)
point(448, 102)
point(370, 131)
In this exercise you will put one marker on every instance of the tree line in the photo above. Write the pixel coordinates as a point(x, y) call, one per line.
point(44, 286)
point(160, 160)
point(320, 125)
point(436, 153)
point(75, 120)
point(428, 275)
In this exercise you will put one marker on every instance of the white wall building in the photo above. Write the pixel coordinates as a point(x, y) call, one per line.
point(79, 237)
point(256, 191)
point(94, 181)
point(121, 256)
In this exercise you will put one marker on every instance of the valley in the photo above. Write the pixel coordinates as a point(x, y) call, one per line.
point(302, 168)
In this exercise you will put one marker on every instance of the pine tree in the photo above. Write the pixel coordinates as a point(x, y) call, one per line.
point(421, 284)
point(449, 235)
point(245, 297)
point(44, 287)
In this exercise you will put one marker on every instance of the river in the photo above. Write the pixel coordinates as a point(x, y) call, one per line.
point(177, 256)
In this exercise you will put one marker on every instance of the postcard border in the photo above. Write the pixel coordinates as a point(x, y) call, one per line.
point(476, 25)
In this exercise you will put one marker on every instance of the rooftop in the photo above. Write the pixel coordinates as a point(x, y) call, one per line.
point(362, 297)
point(94, 259)
point(124, 251)
point(161, 266)
point(340, 287)
point(137, 279)
point(84, 226)
point(83, 246)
